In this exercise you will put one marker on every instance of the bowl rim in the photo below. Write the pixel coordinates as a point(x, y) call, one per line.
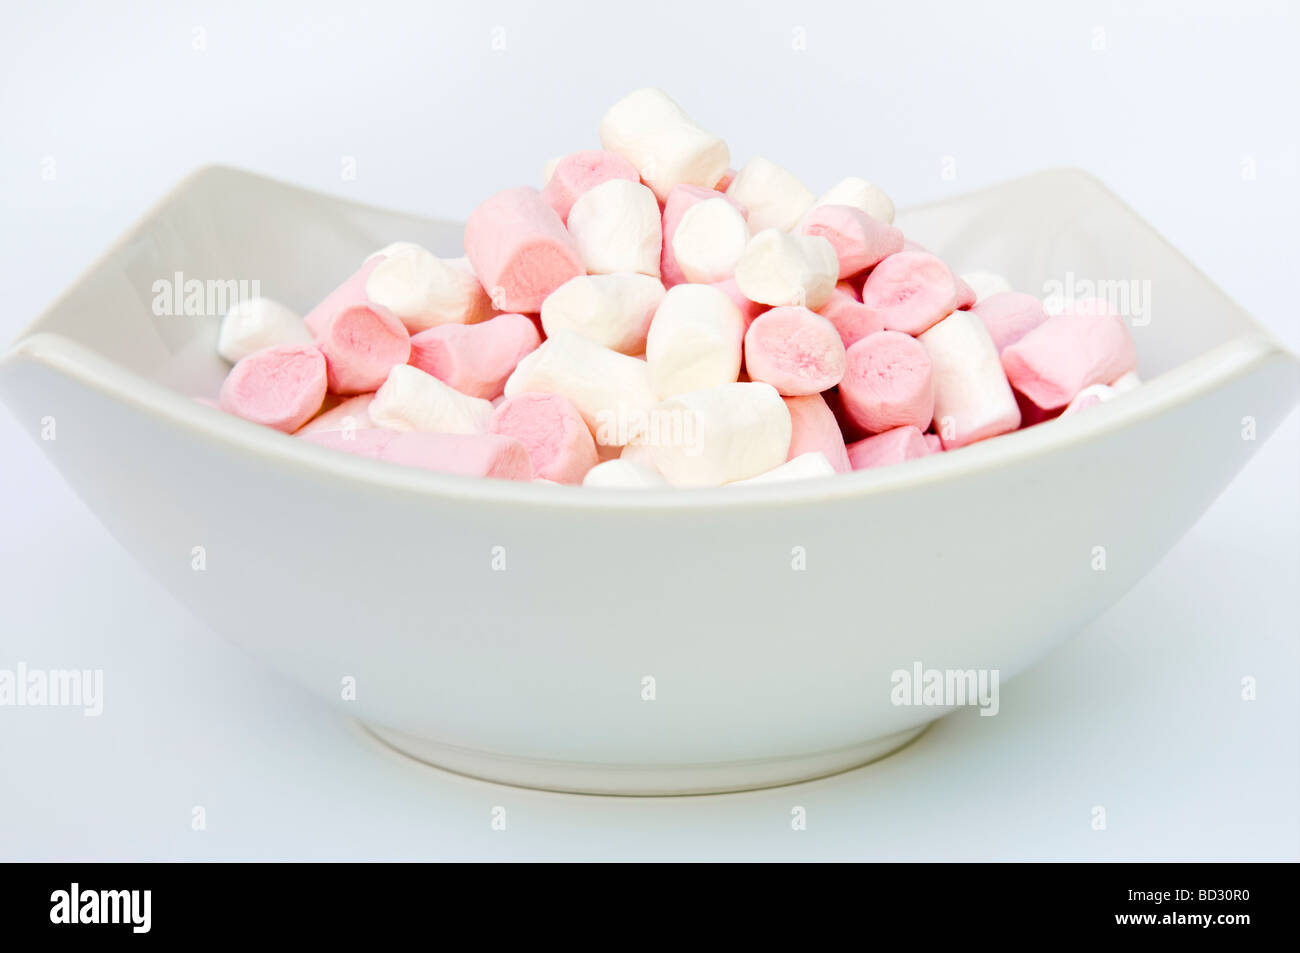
point(1236, 357)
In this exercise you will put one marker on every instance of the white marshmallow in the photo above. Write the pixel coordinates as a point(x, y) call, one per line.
point(696, 340)
point(778, 269)
point(622, 475)
point(803, 467)
point(617, 227)
point(972, 399)
point(410, 399)
point(861, 194)
point(424, 291)
point(773, 196)
point(721, 434)
point(1125, 382)
point(709, 240)
point(986, 283)
point(668, 149)
point(610, 390)
point(255, 323)
point(612, 310)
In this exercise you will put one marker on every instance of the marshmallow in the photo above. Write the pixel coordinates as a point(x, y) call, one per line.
point(520, 250)
point(1086, 344)
point(1009, 316)
point(481, 455)
point(803, 467)
point(551, 430)
point(859, 240)
point(795, 350)
point(410, 399)
point(729, 432)
point(814, 430)
point(1090, 395)
point(423, 290)
point(852, 319)
point(773, 196)
point(985, 284)
point(623, 475)
point(255, 323)
point(778, 269)
point(361, 340)
point(972, 399)
point(349, 416)
point(1125, 382)
point(694, 341)
point(350, 294)
point(613, 310)
point(704, 237)
point(281, 386)
point(667, 148)
point(616, 227)
point(910, 291)
point(577, 173)
point(892, 446)
point(475, 359)
point(888, 382)
point(861, 194)
point(610, 390)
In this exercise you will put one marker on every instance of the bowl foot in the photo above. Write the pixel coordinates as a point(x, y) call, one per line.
point(574, 777)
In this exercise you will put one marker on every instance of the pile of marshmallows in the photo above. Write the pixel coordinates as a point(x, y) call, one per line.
point(652, 317)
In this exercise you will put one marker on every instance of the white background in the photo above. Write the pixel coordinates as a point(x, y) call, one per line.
point(1186, 109)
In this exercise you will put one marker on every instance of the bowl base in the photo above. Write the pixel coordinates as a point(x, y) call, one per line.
point(572, 777)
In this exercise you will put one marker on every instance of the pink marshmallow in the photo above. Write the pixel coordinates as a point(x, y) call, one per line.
point(1009, 316)
point(476, 359)
point(892, 446)
point(280, 386)
point(520, 250)
point(888, 383)
point(679, 202)
point(361, 344)
point(749, 310)
point(553, 433)
point(815, 430)
point(1087, 344)
point(350, 414)
point(859, 240)
point(795, 350)
point(911, 291)
point(483, 455)
point(350, 294)
point(581, 171)
point(852, 319)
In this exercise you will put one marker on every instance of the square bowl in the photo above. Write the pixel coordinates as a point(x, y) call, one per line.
point(665, 641)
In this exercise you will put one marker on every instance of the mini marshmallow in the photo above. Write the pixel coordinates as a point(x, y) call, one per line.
point(852, 319)
point(727, 433)
point(1090, 395)
point(520, 250)
point(694, 341)
point(616, 227)
point(774, 197)
point(888, 382)
point(610, 390)
point(859, 240)
point(552, 431)
point(861, 194)
point(481, 455)
point(576, 174)
point(910, 291)
point(1125, 382)
point(1086, 344)
point(779, 269)
point(1009, 316)
point(281, 386)
point(795, 350)
point(255, 323)
point(475, 359)
point(681, 200)
point(708, 240)
point(613, 310)
point(350, 415)
point(985, 284)
point(623, 475)
point(664, 144)
point(814, 430)
point(423, 290)
point(803, 467)
point(361, 340)
point(972, 399)
point(410, 400)
point(892, 446)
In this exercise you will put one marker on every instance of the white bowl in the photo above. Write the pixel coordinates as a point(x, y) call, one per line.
point(331, 567)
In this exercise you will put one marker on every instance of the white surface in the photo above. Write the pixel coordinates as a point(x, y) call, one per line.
point(1141, 713)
